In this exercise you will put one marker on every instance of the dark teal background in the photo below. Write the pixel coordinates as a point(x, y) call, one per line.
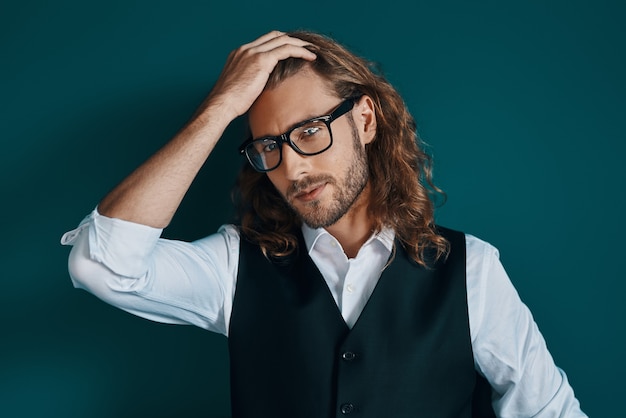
point(523, 104)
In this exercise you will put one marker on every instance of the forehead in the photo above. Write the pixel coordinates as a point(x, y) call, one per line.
point(302, 96)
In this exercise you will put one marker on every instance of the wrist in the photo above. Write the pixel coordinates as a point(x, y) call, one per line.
point(219, 108)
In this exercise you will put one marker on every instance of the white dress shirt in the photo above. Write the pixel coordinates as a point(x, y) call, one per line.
point(129, 266)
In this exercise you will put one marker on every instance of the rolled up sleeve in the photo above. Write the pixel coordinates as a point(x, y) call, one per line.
point(129, 266)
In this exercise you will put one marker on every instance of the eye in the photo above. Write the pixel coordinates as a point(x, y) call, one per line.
point(270, 146)
point(310, 131)
point(263, 146)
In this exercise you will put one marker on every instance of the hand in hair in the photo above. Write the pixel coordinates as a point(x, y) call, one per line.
point(248, 68)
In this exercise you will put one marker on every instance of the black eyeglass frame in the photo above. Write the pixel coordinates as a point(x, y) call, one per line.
point(285, 138)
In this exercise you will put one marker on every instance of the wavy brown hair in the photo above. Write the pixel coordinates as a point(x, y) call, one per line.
point(400, 171)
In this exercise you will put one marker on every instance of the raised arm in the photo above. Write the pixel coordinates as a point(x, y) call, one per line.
point(152, 193)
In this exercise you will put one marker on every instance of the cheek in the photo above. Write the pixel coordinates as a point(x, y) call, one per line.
point(346, 141)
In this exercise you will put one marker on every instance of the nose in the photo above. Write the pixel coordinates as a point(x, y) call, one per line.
point(293, 165)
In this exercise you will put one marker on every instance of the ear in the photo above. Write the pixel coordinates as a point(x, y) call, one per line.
point(365, 119)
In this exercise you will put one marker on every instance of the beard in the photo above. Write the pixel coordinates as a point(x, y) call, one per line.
point(347, 189)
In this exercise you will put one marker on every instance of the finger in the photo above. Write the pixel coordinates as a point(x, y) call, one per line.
point(273, 43)
point(262, 39)
point(285, 51)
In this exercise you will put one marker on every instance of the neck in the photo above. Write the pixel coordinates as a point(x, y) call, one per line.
point(355, 227)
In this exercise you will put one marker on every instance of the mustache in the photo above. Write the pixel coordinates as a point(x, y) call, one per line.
point(300, 186)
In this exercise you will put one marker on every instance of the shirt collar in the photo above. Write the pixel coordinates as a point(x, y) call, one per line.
point(311, 236)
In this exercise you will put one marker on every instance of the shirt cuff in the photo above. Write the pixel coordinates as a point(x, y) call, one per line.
point(122, 246)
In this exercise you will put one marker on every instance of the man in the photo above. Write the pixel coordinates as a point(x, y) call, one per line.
point(337, 292)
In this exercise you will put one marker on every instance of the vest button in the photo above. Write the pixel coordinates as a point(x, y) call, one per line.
point(347, 408)
point(348, 356)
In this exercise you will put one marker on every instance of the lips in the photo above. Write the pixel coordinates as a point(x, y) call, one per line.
point(310, 193)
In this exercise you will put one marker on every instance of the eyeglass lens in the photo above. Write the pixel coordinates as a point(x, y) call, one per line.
point(310, 138)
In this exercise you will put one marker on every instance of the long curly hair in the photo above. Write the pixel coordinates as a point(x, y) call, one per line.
point(400, 171)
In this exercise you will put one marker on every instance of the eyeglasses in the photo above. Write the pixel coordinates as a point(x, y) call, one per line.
point(311, 137)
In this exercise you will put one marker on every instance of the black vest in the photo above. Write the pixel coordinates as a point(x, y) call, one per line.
point(408, 355)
